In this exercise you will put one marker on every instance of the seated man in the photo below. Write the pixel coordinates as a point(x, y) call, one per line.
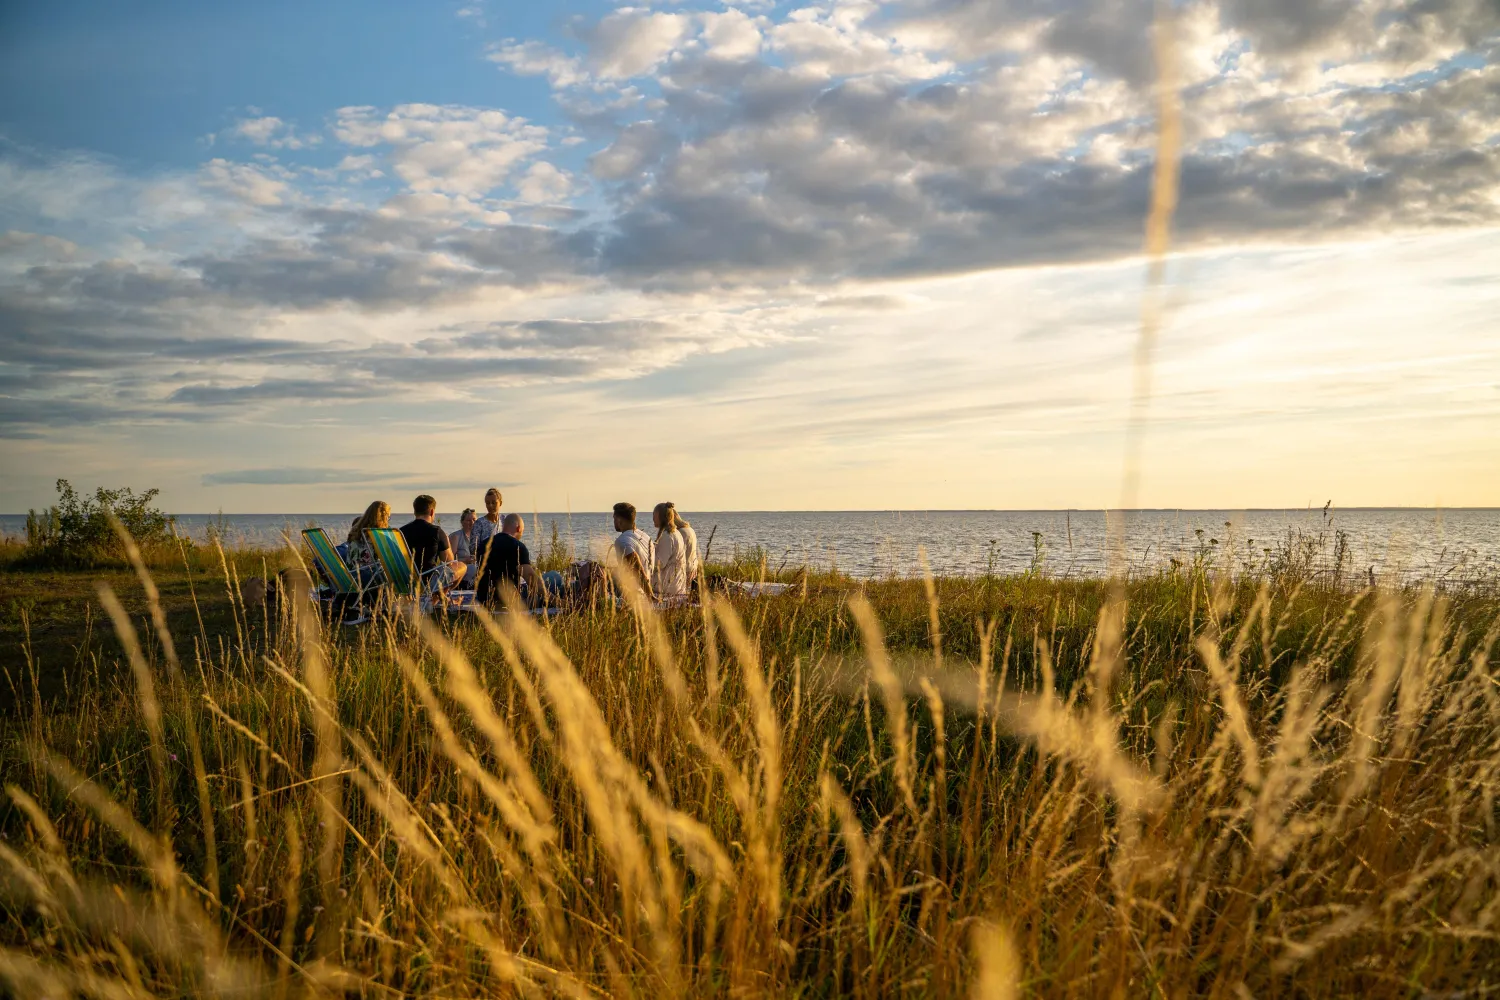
point(632, 548)
point(506, 559)
point(430, 548)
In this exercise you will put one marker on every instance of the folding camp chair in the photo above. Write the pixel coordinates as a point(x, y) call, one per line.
point(342, 585)
point(401, 571)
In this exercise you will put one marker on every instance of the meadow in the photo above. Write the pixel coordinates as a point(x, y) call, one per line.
point(1204, 782)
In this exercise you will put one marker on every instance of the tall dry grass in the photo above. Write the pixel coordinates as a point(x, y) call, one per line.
point(1219, 787)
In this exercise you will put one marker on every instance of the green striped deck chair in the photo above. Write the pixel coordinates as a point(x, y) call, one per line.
point(395, 558)
point(401, 572)
point(330, 563)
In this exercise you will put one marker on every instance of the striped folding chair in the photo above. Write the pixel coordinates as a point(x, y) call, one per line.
point(335, 571)
point(343, 585)
point(395, 558)
point(402, 576)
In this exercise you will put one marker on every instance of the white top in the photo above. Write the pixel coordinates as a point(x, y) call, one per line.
point(485, 528)
point(637, 541)
point(690, 543)
point(670, 576)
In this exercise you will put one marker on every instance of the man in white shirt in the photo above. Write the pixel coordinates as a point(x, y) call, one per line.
point(632, 548)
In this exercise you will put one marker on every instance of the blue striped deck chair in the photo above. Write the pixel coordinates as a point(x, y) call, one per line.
point(401, 572)
point(344, 588)
point(335, 571)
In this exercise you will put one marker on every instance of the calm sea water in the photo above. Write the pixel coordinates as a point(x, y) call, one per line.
point(1406, 543)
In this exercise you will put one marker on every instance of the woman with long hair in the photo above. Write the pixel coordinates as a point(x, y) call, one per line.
point(669, 575)
point(361, 554)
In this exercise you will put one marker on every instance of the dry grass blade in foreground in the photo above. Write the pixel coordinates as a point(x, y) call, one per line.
point(1223, 787)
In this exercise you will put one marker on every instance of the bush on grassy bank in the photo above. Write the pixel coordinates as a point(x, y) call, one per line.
point(1219, 788)
point(78, 531)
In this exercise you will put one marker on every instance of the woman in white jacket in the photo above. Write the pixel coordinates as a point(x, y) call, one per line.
point(669, 576)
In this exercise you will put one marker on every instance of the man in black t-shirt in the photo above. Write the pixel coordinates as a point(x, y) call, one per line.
point(505, 558)
point(430, 548)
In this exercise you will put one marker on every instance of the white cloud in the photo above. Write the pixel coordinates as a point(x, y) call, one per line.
point(252, 185)
point(272, 132)
point(632, 41)
point(731, 35)
point(531, 58)
point(543, 183)
point(833, 40)
point(442, 148)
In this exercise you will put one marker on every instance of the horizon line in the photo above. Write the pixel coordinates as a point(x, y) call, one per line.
point(880, 510)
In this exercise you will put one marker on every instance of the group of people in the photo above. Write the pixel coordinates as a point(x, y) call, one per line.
point(486, 551)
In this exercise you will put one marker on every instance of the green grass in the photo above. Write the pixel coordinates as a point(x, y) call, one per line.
point(1229, 787)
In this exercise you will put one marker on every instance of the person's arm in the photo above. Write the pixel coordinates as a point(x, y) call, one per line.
point(633, 560)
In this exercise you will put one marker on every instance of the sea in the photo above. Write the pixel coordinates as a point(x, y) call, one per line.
point(1406, 544)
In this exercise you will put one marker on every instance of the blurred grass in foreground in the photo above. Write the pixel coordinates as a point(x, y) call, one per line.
point(1225, 786)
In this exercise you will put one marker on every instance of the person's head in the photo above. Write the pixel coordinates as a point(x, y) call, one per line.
point(624, 516)
point(466, 519)
point(512, 525)
point(492, 500)
point(377, 515)
point(664, 516)
point(424, 507)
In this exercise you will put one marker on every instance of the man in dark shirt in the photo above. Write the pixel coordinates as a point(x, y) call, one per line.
point(430, 548)
point(504, 558)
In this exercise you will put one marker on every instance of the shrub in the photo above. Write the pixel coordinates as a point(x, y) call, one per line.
point(76, 531)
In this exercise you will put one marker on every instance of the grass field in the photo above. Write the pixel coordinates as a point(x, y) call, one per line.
point(1000, 787)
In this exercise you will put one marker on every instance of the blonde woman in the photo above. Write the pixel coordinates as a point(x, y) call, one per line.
point(488, 526)
point(492, 523)
point(361, 555)
point(669, 574)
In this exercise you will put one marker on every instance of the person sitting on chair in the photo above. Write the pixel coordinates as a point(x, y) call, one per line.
point(361, 554)
point(632, 548)
point(465, 542)
point(430, 548)
point(505, 559)
point(669, 577)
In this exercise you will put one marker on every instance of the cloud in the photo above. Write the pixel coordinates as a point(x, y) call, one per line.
point(543, 183)
point(444, 148)
point(731, 35)
point(531, 58)
point(834, 41)
point(245, 182)
point(271, 132)
point(630, 41)
point(290, 476)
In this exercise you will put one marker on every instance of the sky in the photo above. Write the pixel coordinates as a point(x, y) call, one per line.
point(281, 256)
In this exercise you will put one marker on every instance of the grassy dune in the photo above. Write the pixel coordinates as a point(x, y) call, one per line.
point(1010, 787)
